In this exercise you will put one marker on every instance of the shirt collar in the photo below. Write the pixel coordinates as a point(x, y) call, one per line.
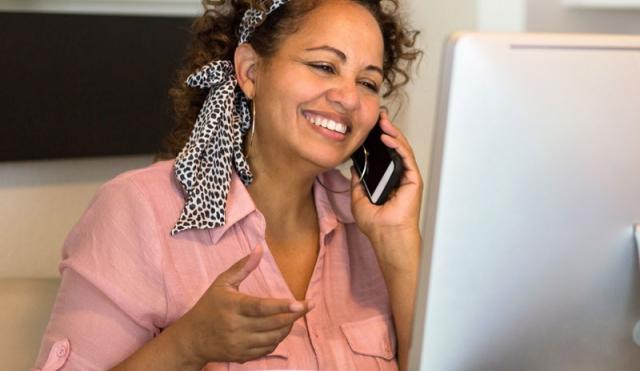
point(332, 207)
point(332, 202)
point(239, 205)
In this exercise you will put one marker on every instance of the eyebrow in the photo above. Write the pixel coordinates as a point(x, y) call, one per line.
point(343, 57)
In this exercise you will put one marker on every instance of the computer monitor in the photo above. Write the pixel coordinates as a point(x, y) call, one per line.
point(529, 259)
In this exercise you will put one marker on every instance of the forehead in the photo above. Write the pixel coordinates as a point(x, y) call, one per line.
point(342, 24)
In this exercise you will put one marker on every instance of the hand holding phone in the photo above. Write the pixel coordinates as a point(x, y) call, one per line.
point(378, 166)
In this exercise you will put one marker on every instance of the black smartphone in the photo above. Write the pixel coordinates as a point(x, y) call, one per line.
point(381, 165)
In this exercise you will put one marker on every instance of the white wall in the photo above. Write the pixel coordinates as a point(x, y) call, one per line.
point(500, 15)
point(436, 20)
point(554, 16)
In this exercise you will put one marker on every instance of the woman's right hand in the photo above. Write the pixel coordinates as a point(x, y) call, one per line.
point(226, 325)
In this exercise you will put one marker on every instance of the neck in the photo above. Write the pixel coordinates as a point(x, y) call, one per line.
point(284, 195)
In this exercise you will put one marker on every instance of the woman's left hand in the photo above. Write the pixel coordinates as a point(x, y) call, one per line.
point(398, 217)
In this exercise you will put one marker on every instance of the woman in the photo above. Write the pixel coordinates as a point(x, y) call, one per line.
point(269, 265)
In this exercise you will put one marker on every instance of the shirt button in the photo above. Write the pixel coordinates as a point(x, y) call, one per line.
point(60, 350)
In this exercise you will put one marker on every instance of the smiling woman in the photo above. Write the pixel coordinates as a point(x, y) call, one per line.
point(319, 71)
point(214, 38)
point(236, 254)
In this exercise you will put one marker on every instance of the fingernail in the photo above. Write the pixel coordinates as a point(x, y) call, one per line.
point(296, 306)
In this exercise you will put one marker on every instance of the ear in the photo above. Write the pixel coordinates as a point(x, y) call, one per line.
point(245, 62)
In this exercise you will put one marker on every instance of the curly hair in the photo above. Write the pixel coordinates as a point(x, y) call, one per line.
point(214, 36)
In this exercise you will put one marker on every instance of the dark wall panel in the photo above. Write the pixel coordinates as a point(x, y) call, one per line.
point(86, 85)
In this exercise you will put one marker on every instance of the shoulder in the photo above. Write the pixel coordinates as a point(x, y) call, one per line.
point(134, 205)
point(121, 233)
point(157, 177)
point(118, 245)
point(152, 189)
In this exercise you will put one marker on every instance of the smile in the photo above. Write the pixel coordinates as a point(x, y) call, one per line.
point(326, 123)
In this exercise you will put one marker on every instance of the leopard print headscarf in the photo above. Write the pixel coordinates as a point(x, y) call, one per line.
point(204, 165)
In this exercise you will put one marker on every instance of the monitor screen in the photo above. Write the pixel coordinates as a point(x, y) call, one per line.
point(530, 260)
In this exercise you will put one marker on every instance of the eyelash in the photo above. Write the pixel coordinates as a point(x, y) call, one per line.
point(323, 67)
point(371, 86)
point(327, 68)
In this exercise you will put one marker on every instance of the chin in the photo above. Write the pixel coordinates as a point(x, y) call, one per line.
point(328, 164)
point(324, 157)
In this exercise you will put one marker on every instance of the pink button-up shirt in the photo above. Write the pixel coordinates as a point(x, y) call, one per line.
point(124, 278)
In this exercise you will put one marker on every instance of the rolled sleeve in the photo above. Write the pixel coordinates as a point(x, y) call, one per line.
point(111, 298)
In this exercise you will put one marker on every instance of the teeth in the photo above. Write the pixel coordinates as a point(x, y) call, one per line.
point(328, 124)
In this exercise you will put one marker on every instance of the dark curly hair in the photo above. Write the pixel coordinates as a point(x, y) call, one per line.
point(215, 37)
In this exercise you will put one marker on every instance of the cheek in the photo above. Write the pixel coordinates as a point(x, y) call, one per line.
point(371, 112)
point(297, 81)
point(368, 118)
point(292, 93)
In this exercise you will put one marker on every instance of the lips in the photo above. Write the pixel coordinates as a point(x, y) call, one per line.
point(327, 123)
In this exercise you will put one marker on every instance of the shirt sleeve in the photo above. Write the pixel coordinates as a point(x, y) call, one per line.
point(111, 298)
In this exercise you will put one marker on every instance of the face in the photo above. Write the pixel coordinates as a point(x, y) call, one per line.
point(318, 96)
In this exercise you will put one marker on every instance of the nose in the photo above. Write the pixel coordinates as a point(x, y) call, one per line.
point(345, 94)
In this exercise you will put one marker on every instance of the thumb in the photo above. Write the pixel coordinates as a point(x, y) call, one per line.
point(242, 268)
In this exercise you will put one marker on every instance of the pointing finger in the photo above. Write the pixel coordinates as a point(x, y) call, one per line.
point(251, 306)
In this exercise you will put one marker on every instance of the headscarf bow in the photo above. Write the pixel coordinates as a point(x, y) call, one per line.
point(214, 148)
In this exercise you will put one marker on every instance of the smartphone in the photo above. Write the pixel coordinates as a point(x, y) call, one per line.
point(381, 165)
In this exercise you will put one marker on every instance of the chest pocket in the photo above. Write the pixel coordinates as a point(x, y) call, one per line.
point(373, 342)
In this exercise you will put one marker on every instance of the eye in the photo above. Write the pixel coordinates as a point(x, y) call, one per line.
point(323, 67)
point(371, 86)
